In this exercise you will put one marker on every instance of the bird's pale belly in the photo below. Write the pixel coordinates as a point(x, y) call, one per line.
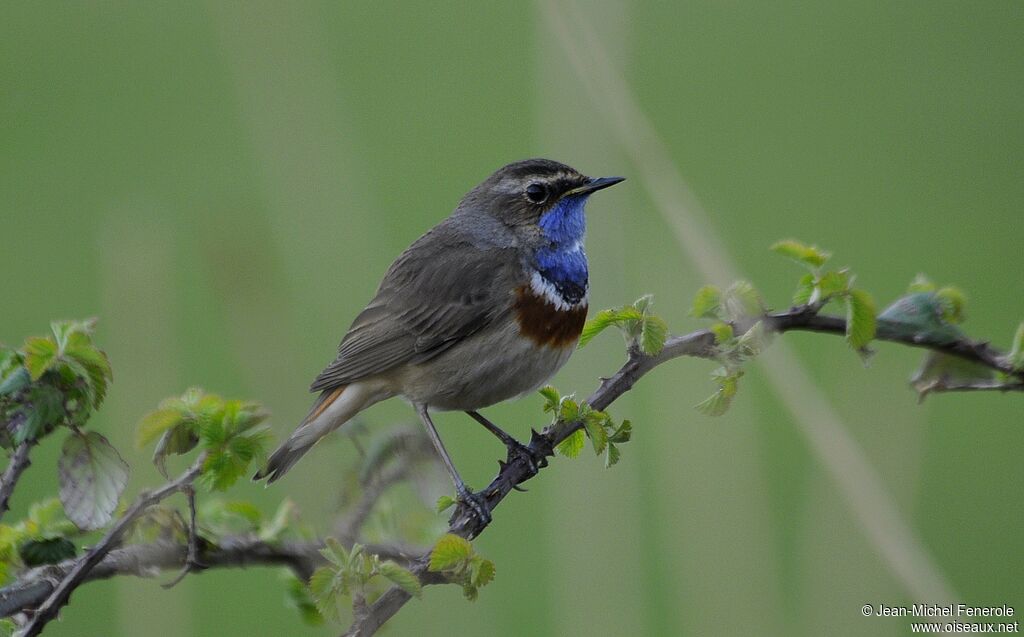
point(493, 365)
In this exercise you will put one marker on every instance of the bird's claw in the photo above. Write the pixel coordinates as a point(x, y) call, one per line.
point(477, 503)
point(517, 450)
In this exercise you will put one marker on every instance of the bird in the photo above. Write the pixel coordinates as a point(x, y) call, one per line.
point(486, 306)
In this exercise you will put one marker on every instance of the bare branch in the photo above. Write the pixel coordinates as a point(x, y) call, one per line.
point(19, 462)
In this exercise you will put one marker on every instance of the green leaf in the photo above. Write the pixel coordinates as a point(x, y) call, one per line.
point(860, 319)
point(40, 355)
point(573, 445)
point(833, 283)
point(482, 572)
point(92, 477)
point(601, 321)
point(594, 424)
point(335, 553)
point(451, 551)
point(954, 302)
point(174, 441)
point(155, 423)
point(653, 333)
point(445, 502)
point(79, 350)
point(329, 592)
point(805, 255)
point(568, 410)
point(48, 520)
point(718, 403)
point(17, 380)
point(722, 331)
point(623, 433)
point(51, 551)
point(707, 302)
point(611, 455)
point(229, 461)
point(1016, 355)
point(804, 290)
point(401, 577)
point(43, 409)
point(741, 300)
point(551, 398)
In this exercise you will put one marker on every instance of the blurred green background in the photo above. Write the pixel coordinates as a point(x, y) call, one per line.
point(224, 185)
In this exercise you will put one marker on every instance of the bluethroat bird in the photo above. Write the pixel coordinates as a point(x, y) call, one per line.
point(486, 306)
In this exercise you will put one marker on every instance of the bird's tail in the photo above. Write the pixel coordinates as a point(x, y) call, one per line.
point(333, 408)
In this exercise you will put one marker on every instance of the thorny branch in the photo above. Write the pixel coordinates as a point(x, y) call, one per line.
point(699, 344)
point(19, 462)
point(46, 589)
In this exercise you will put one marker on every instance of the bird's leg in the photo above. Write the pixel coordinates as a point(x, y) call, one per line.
point(474, 501)
point(515, 448)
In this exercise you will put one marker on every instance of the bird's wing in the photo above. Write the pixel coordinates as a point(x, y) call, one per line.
point(435, 294)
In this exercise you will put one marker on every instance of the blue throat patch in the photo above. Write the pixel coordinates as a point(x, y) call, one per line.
point(564, 263)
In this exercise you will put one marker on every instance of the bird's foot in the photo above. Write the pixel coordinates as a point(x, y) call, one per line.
point(518, 451)
point(477, 503)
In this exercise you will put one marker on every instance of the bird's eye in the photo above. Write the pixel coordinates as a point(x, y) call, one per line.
point(536, 193)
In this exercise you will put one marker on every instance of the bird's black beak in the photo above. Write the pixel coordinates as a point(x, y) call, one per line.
point(598, 183)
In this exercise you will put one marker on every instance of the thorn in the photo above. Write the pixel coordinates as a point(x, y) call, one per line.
point(519, 488)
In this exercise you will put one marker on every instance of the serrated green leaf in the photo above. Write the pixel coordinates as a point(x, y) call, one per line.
point(49, 551)
point(445, 502)
point(921, 283)
point(48, 520)
point(551, 398)
point(805, 255)
point(482, 572)
point(718, 403)
point(15, 381)
point(568, 410)
point(832, 283)
point(860, 319)
point(175, 441)
point(611, 455)
point(80, 350)
point(601, 321)
point(40, 355)
point(573, 445)
point(327, 588)
point(43, 410)
point(954, 304)
point(229, 461)
point(92, 477)
point(653, 332)
point(622, 433)
point(804, 290)
point(707, 302)
point(451, 551)
point(401, 577)
point(594, 424)
point(155, 423)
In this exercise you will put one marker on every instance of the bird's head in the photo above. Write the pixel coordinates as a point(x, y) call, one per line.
point(541, 201)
